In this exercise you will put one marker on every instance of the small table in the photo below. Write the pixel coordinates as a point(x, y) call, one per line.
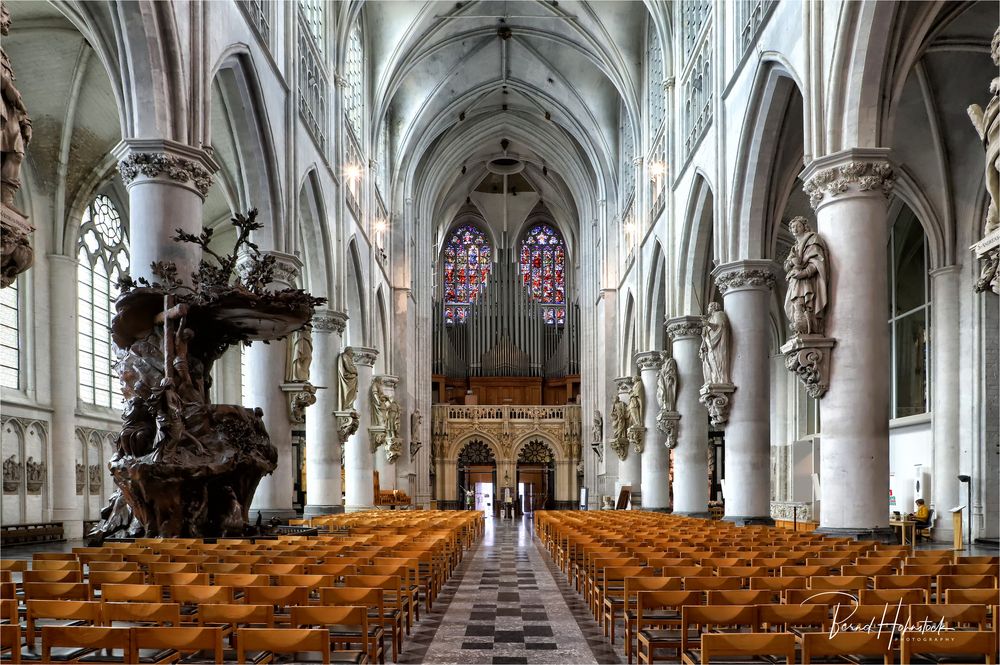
point(903, 526)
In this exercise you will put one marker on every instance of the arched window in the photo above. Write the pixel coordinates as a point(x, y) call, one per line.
point(467, 261)
point(314, 17)
point(654, 79)
point(354, 73)
point(627, 157)
point(102, 256)
point(909, 316)
point(10, 337)
point(543, 269)
point(382, 160)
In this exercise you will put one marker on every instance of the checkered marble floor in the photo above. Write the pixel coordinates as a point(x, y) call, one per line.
point(507, 603)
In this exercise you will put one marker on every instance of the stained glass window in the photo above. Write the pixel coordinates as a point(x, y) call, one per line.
point(102, 256)
point(543, 269)
point(354, 73)
point(10, 362)
point(467, 261)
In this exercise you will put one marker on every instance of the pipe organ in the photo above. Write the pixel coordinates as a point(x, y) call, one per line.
point(505, 333)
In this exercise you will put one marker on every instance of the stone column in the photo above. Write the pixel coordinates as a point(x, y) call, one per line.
point(359, 487)
point(946, 492)
point(386, 469)
point(167, 183)
point(323, 487)
point(690, 458)
point(630, 468)
point(849, 191)
point(266, 369)
point(67, 507)
point(655, 455)
point(746, 291)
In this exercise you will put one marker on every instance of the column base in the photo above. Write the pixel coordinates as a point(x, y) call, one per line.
point(267, 514)
point(316, 511)
point(885, 534)
point(703, 515)
point(659, 510)
point(743, 520)
point(72, 521)
point(358, 509)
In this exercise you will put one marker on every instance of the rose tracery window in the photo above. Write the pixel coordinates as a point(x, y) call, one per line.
point(543, 270)
point(476, 453)
point(535, 452)
point(467, 261)
point(102, 257)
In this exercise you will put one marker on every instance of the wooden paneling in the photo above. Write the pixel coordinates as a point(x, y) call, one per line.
point(517, 390)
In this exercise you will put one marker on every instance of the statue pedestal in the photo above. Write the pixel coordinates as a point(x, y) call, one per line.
point(808, 357)
point(17, 254)
point(716, 398)
point(300, 395)
point(668, 422)
point(987, 250)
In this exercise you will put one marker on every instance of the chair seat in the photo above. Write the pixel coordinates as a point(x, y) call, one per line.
point(694, 656)
point(154, 655)
point(347, 656)
point(667, 635)
point(946, 659)
point(63, 654)
point(344, 633)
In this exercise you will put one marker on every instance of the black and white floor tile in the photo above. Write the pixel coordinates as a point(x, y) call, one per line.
point(507, 603)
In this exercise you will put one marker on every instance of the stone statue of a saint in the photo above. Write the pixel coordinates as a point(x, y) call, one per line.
point(987, 124)
point(15, 125)
point(619, 427)
point(806, 271)
point(598, 431)
point(635, 403)
point(392, 426)
point(379, 404)
point(300, 353)
point(666, 385)
point(416, 421)
point(714, 351)
point(347, 379)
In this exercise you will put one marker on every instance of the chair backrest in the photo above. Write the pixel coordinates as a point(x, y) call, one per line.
point(708, 616)
point(283, 640)
point(983, 596)
point(959, 643)
point(838, 582)
point(197, 594)
point(55, 564)
point(225, 567)
point(950, 615)
point(173, 567)
point(56, 591)
point(658, 600)
point(236, 614)
point(97, 578)
point(240, 580)
point(905, 596)
point(342, 595)
point(91, 637)
point(184, 639)
point(102, 566)
point(945, 582)
point(52, 576)
point(311, 582)
point(739, 597)
point(280, 568)
point(180, 579)
point(685, 571)
point(328, 616)
point(903, 582)
point(818, 597)
point(728, 645)
point(847, 644)
point(712, 583)
point(10, 639)
point(280, 596)
point(145, 593)
point(158, 613)
point(786, 617)
point(87, 611)
point(867, 569)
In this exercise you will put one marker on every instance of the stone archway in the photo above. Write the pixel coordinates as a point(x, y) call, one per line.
point(536, 475)
point(476, 475)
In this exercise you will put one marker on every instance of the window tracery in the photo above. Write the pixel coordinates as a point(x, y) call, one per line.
point(476, 453)
point(535, 452)
point(354, 74)
point(543, 271)
point(102, 256)
point(10, 337)
point(468, 258)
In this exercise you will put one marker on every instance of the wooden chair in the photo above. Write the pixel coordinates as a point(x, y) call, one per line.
point(142, 614)
point(275, 569)
point(125, 593)
point(976, 569)
point(57, 564)
point(347, 625)
point(838, 582)
point(632, 586)
point(313, 583)
point(698, 619)
point(982, 644)
point(817, 597)
point(53, 576)
point(868, 570)
point(393, 615)
point(712, 583)
point(904, 582)
point(270, 641)
point(744, 647)
point(946, 582)
point(52, 556)
point(374, 600)
point(892, 596)
point(173, 567)
point(407, 587)
point(56, 591)
point(10, 642)
point(739, 597)
point(658, 621)
point(279, 597)
point(336, 570)
point(823, 645)
point(230, 617)
point(168, 645)
point(66, 612)
point(112, 566)
point(611, 586)
point(953, 616)
point(981, 596)
point(777, 585)
point(193, 595)
point(98, 643)
point(97, 578)
point(794, 618)
point(225, 567)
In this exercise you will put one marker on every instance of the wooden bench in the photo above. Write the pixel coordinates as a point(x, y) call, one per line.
point(23, 534)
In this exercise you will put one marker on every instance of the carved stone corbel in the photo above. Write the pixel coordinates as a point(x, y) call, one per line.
point(347, 424)
point(669, 422)
point(636, 437)
point(716, 398)
point(300, 395)
point(808, 357)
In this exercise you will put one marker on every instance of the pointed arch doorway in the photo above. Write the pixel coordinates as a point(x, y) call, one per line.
point(536, 476)
point(477, 477)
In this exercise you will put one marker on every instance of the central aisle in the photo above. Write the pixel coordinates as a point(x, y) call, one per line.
point(507, 603)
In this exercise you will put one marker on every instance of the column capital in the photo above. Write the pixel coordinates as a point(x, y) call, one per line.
point(945, 270)
point(286, 266)
point(624, 383)
point(163, 160)
point(329, 320)
point(744, 275)
point(364, 355)
point(849, 173)
point(683, 327)
point(649, 360)
point(388, 380)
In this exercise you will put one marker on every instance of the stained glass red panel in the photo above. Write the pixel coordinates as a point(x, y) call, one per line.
point(467, 261)
point(543, 269)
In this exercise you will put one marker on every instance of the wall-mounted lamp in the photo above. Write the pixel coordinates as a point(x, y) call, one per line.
point(352, 172)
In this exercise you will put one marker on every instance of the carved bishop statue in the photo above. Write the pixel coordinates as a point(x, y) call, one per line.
point(347, 379)
point(806, 271)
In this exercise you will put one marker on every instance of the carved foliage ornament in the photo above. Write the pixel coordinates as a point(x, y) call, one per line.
point(330, 321)
point(756, 278)
point(853, 176)
point(686, 328)
point(476, 453)
point(535, 452)
point(154, 164)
